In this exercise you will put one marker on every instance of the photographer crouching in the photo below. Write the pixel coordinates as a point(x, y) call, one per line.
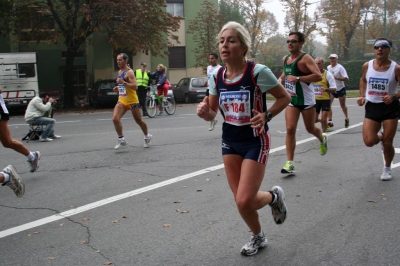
point(39, 112)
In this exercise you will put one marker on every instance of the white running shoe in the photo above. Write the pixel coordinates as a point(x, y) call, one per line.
point(212, 125)
point(279, 207)
point(15, 182)
point(147, 140)
point(45, 140)
point(34, 164)
point(55, 137)
point(254, 244)
point(386, 175)
point(121, 142)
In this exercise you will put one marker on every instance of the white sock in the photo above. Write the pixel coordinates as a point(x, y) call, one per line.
point(387, 168)
point(31, 156)
point(261, 234)
point(6, 177)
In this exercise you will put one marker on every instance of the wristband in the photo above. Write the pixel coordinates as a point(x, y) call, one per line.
point(362, 96)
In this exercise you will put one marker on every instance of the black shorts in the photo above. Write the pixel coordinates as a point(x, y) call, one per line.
point(340, 93)
point(207, 92)
point(324, 105)
point(379, 112)
point(4, 112)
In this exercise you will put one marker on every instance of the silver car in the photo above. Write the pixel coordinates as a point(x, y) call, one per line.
point(190, 89)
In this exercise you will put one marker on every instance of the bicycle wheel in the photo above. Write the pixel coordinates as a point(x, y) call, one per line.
point(151, 107)
point(171, 107)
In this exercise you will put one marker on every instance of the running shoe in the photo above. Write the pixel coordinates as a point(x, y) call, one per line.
point(147, 140)
point(346, 123)
point(288, 168)
point(329, 128)
point(330, 124)
point(34, 164)
point(212, 124)
point(55, 137)
point(121, 142)
point(323, 147)
point(15, 182)
point(45, 140)
point(279, 207)
point(386, 175)
point(160, 113)
point(253, 245)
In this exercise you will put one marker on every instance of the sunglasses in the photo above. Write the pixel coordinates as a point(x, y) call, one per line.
point(381, 46)
point(292, 41)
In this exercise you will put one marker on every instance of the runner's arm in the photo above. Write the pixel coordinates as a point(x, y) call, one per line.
point(130, 80)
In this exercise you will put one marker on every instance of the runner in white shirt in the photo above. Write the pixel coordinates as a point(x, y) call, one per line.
point(340, 75)
point(379, 90)
point(212, 68)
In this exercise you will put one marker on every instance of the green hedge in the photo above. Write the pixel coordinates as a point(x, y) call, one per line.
point(353, 69)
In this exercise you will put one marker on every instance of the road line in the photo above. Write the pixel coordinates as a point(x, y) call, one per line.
point(135, 192)
point(61, 122)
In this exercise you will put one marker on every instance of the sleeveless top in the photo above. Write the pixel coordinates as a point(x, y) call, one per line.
point(126, 96)
point(324, 84)
point(236, 101)
point(380, 83)
point(302, 93)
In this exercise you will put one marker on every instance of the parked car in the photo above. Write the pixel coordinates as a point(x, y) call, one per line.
point(102, 93)
point(190, 89)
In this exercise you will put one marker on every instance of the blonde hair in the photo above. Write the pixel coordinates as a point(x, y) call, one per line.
point(163, 67)
point(243, 34)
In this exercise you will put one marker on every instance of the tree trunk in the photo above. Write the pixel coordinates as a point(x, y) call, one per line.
point(69, 77)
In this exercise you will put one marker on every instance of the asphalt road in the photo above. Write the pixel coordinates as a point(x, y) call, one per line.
point(170, 204)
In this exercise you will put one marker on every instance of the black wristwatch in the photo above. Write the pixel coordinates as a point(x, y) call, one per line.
point(269, 116)
point(395, 97)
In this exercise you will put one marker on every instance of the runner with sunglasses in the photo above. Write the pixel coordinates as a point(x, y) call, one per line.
point(299, 71)
point(379, 92)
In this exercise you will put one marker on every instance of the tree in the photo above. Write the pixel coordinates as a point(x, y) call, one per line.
point(138, 24)
point(342, 18)
point(297, 19)
point(260, 23)
point(230, 11)
point(205, 29)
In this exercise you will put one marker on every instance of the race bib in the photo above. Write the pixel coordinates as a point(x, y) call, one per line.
point(121, 90)
point(377, 87)
point(317, 91)
point(290, 87)
point(236, 107)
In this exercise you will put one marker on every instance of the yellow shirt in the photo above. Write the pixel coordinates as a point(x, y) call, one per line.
point(323, 83)
point(127, 96)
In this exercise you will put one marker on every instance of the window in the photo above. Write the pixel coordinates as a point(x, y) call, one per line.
point(175, 7)
point(40, 25)
point(177, 57)
point(26, 70)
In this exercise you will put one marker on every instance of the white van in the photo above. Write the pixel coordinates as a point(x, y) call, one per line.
point(18, 79)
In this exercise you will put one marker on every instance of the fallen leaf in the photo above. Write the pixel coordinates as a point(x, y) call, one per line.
point(140, 180)
point(115, 221)
point(184, 186)
point(341, 224)
point(383, 195)
point(50, 258)
point(167, 225)
point(374, 201)
point(209, 222)
point(184, 211)
point(178, 210)
point(124, 216)
point(177, 201)
point(297, 195)
point(29, 235)
point(36, 233)
point(82, 242)
point(208, 179)
point(383, 198)
point(108, 263)
point(199, 190)
point(207, 228)
point(62, 224)
point(98, 251)
point(85, 219)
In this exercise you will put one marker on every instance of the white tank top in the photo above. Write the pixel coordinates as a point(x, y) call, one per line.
point(380, 84)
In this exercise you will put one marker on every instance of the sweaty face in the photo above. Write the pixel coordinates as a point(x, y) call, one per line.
point(121, 61)
point(230, 46)
point(319, 64)
point(293, 43)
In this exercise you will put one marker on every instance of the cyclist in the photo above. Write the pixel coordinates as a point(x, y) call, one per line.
point(162, 83)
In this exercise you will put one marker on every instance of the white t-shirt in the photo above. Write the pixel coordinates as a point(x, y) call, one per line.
point(211, 69)
point(338, 71)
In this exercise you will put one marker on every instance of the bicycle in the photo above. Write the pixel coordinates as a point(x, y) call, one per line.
point(153, 101)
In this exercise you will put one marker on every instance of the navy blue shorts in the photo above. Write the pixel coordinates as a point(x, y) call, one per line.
point(340, 93)
point(256, 149)
point(4, 115)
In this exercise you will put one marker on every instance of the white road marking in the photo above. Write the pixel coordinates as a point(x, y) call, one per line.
point(106, 201)
point(61, 122)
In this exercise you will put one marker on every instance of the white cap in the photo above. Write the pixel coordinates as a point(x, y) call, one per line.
point(334, 55)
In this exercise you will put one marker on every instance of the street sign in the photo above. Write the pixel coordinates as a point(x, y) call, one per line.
point(370, 41)
point(369, 54)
